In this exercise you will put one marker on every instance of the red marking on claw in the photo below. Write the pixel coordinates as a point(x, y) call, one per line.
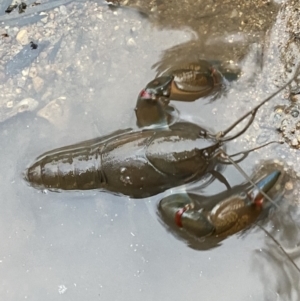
point(259, 202)
point(178, 216)
point(145, 94)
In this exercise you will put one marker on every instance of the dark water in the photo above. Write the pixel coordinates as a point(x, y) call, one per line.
point(97, 246)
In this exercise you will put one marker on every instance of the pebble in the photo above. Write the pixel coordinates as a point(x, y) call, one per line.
point(263, 137)
point(25, 72)
point(45, 20)
point(32, 72)
point(9, 104)
point(234, 14)
point(295, 113)
point(50, 24)
point(63, 10)
point(21, 82)
point(288, 186)
point(295, 98)
point(256, 125)
point(295, 142)
point(131, 42)
point(38, 83)
point(27, 104)
point(43, 55)
point(46, 95)
point(100, 16)
point(56, 111)
point(22, 37)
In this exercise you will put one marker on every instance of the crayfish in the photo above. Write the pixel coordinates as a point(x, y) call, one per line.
point(137, 163)
point(149, 161)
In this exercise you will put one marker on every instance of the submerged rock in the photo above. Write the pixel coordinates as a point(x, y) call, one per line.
point(11, 110)
point(56, 111)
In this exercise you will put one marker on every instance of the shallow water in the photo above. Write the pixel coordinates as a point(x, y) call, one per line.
point(94, 245)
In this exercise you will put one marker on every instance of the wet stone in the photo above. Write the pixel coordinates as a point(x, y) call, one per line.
point(21, 82)
point(131, 42)
point(56, 111)
point(63, 10)
point(32, 72)
point(295, 113)
point(295, 142)
point(295, 98)
point(25, 105)
point(45, 20)
point(25, 72)
point(38, 83)
point(22, 37)
point(288, 186)
point(263, 137)
point(9, 104)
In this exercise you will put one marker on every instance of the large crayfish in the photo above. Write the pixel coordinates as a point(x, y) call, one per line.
point(135, 163)
point(146, 162)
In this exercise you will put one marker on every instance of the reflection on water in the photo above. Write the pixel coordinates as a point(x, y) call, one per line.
point(222, 31)
point(84, 84)
point(270, 260)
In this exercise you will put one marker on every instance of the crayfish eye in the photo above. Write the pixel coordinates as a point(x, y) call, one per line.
point(203, 133)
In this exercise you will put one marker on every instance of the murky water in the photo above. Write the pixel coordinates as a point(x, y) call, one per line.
point(84, 84)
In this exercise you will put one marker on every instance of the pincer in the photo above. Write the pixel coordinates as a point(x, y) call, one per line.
point(220, 215)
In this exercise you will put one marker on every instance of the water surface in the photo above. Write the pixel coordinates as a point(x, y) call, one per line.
point(97, 246)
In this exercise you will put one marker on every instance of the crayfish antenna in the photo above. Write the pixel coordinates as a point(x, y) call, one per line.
point(222, 134)
point(246, 153)
point(280, 246)
point(227, 157)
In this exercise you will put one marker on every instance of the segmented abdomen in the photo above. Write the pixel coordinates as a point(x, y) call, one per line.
point(137, 164)
point(68, 169)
